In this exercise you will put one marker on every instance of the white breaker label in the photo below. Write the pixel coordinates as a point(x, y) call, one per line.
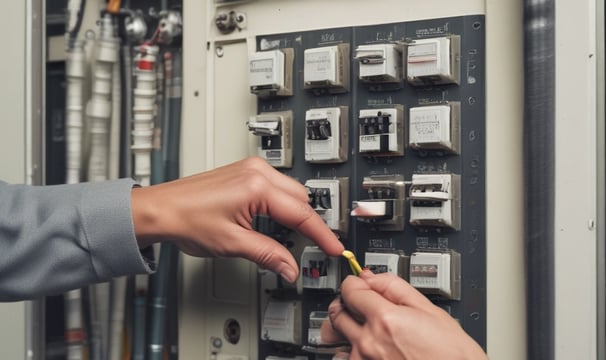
point(320, 66)
point(371, 142)
point(261, 71)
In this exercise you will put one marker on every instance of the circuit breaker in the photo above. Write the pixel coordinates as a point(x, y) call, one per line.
point(272, 138)
point(319, 271)
point(388, 138)
point(326, 135)
point(434, 60)
point(270, 73)
point(381, 131)
point(330, 199)
point(436, 273)
point(380, 63)
point(327, 69)
point(435, 200)
point(384, 207)
point(393, 262)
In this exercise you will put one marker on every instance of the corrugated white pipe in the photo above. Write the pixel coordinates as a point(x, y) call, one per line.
point(75, 73)
point(99, 112)
point(99, 107)
point(144, 111)
point(73, 10)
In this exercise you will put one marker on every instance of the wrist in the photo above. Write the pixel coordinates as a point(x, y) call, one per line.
point(146, 217)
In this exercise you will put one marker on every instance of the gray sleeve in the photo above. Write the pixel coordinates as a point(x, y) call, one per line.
point(57, 238)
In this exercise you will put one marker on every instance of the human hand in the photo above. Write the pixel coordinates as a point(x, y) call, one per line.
point(384, 317)
point(210, 214)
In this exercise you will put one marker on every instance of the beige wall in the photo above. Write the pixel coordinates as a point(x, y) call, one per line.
point(12, 151)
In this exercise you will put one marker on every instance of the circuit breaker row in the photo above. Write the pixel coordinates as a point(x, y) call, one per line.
point(326, 69)
point(430, 272)
point(381, 132)
point(434, 201)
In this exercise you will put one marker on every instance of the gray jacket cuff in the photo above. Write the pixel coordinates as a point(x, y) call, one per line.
point(109, 231)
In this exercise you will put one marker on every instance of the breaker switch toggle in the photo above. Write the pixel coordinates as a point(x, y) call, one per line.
point(372, 209)
point(318, 129)
point(264, 128)
point(319, 198)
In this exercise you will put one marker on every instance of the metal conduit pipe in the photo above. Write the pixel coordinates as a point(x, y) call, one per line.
point(539, 167)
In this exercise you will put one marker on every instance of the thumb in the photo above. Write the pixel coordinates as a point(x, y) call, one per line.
point(269, 254)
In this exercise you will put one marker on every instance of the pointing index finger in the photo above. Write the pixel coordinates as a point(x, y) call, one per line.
point(298, 215)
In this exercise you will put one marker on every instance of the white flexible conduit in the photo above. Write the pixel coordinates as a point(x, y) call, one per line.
point(144, 111)
point(99, 107)
point(99, 112)
point(75, 73)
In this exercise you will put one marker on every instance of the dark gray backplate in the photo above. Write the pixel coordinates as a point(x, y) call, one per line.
point(470, 240)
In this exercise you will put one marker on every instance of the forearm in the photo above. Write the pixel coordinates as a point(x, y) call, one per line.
point(56, 238)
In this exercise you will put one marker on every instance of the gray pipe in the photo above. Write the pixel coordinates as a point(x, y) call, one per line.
point(539, 167)
point(126, 169)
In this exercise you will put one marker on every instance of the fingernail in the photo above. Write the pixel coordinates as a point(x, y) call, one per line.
point(288, 274)
point(334, 307)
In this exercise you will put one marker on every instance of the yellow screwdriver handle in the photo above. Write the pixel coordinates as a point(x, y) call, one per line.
point(353, 263)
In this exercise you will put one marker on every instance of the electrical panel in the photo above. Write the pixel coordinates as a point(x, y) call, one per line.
point(388, 136)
